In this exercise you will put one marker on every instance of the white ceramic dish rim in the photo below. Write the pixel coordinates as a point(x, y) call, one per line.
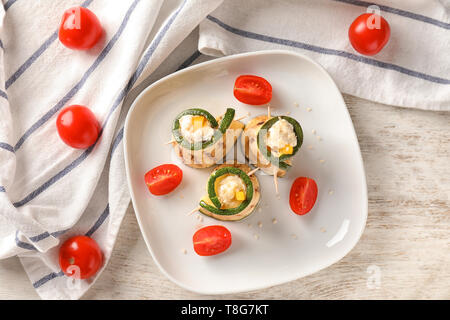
point(201, 65)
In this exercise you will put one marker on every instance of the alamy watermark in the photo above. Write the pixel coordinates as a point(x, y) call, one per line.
point(374, 21)
point(374, 278)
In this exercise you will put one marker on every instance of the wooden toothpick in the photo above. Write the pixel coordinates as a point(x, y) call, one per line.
point(275, 179)
point(170, 142)
point(253, 171)
point(193, 211)
point(268, 111)
point(243, 117)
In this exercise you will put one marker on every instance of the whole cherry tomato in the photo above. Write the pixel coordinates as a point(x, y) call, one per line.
point(78, 127)
point(303, 195)
point(211, 240)
point(163, 179)
point(252, 90)
point(80, 29)
point(366, 36)
point(80, 257)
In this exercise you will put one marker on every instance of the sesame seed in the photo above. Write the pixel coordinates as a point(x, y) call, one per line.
point(259, 209)
point(294, 236)
point(249, 225)
point(256, 236)
point(184, 251)
point(313, 131)
point(319, 138)
point(274, 221)
point(322, 161)
point(288, 113)
point(309, 109)
point(331, 192)
point(323, 229)
point(260, 224)
point(310, 147)
point(296, 104)
point(201, 219)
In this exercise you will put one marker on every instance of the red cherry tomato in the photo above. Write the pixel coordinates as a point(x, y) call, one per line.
point(80, 257)
point(211, 240)
point(252, 90)
point(364, 35)
point(78, 127)
point(163, 179)
point(303, 195)
point(80, 29)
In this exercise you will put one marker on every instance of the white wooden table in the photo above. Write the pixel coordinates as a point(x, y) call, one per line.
point(406, 241)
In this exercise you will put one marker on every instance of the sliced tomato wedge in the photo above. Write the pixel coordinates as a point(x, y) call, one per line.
point(252, 90)
point(303, 195)
point(211, 240)
point(163, 179)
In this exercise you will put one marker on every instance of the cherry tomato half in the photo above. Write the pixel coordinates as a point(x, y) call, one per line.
point(211, 240)
point(366, 37)
point(80, 29)
point(303, 195)
point(252, 90)
point(78, 127)
point(80, 257)
point(163, 179)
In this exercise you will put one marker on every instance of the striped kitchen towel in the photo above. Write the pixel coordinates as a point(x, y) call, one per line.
point(49, 191)
point(413, 69)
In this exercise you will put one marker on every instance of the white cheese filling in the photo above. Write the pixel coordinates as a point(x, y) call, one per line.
point(227, 188)
point(204, 133)
point(280, 135)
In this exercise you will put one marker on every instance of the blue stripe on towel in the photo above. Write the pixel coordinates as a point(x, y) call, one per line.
point(47, 278)
point(399, 12)
point(189, 60)
point(117, 140)
point(344, 54)
point(37, 54)
point(8, 4)
point(3, 94)
point(2, 189)
point(7, 147)
point(40, 237)
point(80, 84)
point(99, 222)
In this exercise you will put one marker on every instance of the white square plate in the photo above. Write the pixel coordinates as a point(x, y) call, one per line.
point(293, 247)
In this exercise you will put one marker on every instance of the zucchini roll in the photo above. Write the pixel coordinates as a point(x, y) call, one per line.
point(231, 193)
point(201, 140)
point(270, 143)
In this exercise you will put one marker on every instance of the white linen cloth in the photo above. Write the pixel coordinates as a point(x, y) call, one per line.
point(50, 192)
